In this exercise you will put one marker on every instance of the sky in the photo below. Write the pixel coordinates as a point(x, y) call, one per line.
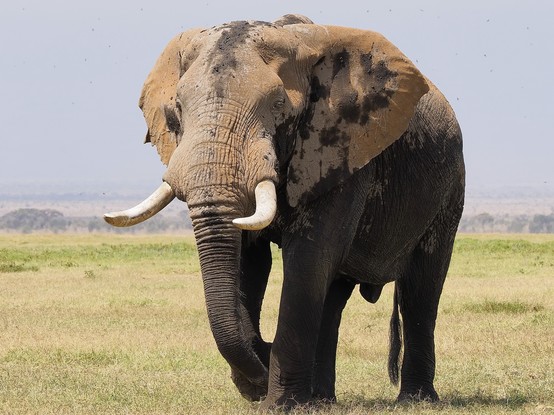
point(71, 74)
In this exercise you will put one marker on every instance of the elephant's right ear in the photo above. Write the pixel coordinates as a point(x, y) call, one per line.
point(157, 99)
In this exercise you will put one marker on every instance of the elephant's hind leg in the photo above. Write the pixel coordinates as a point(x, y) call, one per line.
point(326, 353)
point(418, 291)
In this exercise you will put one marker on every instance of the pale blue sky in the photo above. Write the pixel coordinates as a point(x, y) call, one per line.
point(71, 74)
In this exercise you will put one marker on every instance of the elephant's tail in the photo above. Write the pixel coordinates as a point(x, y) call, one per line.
point(395, 340)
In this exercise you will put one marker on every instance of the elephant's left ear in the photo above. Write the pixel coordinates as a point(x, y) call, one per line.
point(157, 99)
point(363, 94)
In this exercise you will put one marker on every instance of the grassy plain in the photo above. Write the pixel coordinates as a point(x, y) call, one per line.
point(105, 324)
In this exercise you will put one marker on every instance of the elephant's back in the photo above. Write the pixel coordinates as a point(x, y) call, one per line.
point(435, 119)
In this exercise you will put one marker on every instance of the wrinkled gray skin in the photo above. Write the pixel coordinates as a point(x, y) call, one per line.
point(240, 118)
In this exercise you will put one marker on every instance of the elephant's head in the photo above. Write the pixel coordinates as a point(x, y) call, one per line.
point(241, 108)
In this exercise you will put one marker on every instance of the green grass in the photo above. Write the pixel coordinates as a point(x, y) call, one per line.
point(34, 254)
point(512, 307)
point(117, 325)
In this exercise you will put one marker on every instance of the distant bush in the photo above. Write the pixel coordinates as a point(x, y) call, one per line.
point(542, 224)
point(485, 222)
point(48, 220)
point(29, 220)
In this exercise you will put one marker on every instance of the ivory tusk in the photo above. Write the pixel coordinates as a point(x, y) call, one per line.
point(144, 210)
point(266, 207)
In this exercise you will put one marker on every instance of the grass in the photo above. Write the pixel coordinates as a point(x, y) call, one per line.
point(98, 324)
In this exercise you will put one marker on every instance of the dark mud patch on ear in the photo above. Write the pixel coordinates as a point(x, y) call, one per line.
point(327, 181)
point(379, 72)
point(382, 73)
point(285, 140)
point(377, 80)
point(349, 108)
point(366, 60)
point(341, 61)
point(364, 118)
point(317, 90)
point(305, 127)
point(330, 178)
point(333, 136)
point(379, 94)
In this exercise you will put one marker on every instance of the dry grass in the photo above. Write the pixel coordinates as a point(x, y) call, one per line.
point(117, 325)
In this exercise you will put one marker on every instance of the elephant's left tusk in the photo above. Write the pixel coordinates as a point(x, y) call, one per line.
point(144, 210)
point(266, 207)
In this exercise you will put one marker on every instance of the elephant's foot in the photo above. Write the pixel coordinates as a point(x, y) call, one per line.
point(324, 395)
point(324, 399)
point(318, 396)
point(287, 402)
point(427, 394)
point(286, 406)
point(293, 404)
point(247, 389)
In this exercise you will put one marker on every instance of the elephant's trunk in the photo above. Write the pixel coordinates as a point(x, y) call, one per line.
point(219, 249)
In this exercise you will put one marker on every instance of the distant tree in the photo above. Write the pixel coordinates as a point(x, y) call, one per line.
point(484, 222)
point(518, 224)
point(28, 220)
point(94, 225)
point(542, 224)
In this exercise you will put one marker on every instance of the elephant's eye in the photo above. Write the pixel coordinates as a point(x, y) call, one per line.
point(172, 118)
point(278, 104)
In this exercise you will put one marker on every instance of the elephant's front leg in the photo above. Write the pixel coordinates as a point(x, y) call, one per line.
point(307, 272)
point(255, 268)
point(315, 243)
point(326, 356)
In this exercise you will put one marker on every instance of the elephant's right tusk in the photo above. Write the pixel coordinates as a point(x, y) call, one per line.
point(144, 210)
point(266, 207)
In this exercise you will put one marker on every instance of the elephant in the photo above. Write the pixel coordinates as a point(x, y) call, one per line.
point(330, 143)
